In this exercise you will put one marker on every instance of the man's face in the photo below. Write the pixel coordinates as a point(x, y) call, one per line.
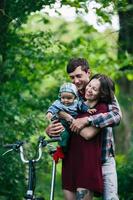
point(80, 78)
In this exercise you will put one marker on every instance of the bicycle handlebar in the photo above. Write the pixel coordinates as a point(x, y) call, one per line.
point(14, 146)
point(19, 146)
point(45, 142)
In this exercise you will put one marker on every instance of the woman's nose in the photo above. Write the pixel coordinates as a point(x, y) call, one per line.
point(89, 89)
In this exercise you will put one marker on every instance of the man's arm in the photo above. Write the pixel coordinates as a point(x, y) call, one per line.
point(110, 118)
point(100, 120)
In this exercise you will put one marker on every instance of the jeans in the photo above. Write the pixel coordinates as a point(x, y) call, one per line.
point(110, 180)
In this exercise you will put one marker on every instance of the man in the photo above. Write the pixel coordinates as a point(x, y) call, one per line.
point(79, 72)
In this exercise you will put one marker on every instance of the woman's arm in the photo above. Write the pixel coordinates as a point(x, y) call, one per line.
point(89, 132)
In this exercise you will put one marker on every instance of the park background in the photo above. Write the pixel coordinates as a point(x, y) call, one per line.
point(35, 47)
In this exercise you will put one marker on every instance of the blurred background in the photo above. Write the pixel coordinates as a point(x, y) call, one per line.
point(37, 38)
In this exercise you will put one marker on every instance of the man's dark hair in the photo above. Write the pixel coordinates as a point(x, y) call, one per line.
point(76, 62)
point(107, 88)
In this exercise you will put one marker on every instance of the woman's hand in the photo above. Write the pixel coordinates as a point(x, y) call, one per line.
point(54, 129)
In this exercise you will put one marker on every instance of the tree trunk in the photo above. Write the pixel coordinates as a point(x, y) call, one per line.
point(4, 24)
point(126, 30)
point(125, 42)
point(4, 21)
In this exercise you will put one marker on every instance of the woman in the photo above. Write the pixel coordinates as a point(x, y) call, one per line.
point(81, 169)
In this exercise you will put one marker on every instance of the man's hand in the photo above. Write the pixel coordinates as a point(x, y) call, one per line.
point(54, 129)
point(78, 124)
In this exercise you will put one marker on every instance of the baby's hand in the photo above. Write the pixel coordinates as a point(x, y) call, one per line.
point(49, 116)
point(91, 110)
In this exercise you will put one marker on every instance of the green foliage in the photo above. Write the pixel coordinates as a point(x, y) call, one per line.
point(125, 176)
point(44, 181)
point(103, 15)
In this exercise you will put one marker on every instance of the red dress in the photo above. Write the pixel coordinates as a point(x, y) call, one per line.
point(81, 167)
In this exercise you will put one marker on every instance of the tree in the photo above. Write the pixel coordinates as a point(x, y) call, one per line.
point(125, 54)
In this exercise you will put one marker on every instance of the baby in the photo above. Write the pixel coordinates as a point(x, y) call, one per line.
point(68, 102)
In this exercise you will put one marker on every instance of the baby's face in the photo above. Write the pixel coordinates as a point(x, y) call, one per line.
point(67, 98)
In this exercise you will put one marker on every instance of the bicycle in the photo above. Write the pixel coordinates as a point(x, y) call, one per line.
point(18, 147)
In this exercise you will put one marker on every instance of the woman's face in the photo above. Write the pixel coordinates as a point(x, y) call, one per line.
point(93, 90)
